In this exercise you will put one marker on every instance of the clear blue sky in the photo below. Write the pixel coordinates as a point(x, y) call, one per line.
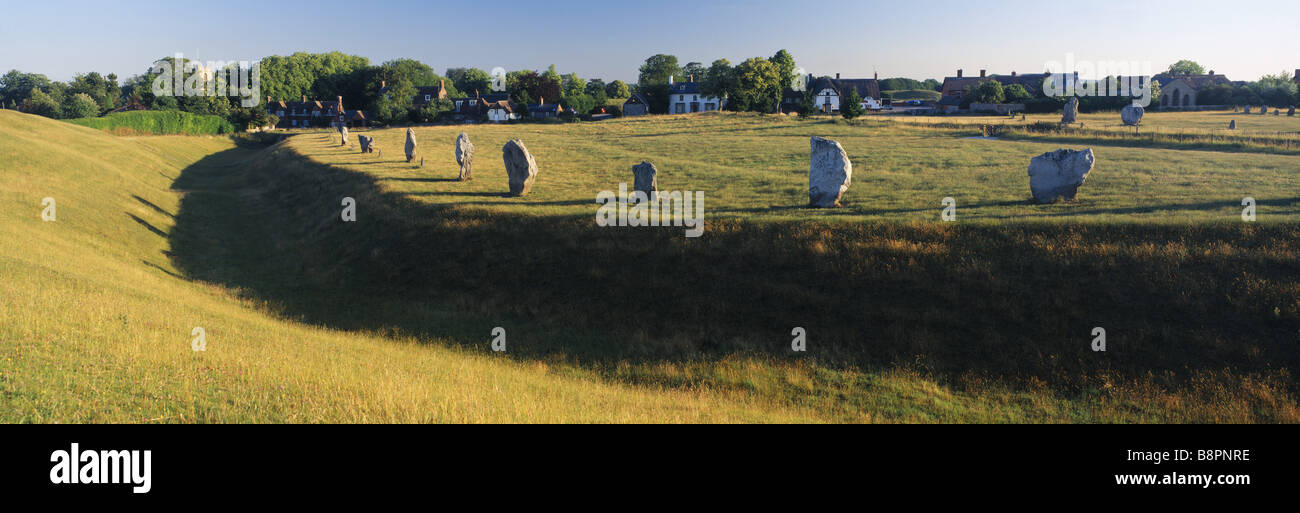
point(609, 39)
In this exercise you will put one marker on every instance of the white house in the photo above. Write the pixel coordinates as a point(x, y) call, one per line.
point(829, 90)
point(685, 97)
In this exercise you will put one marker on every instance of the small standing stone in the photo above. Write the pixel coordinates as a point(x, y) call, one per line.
point(1071, 111)
point(644, 179)
point(1247, 111)
point(1291, 111)
point(465, 156)
point(410, 145)
point(1232, 125)
point(521, 168)
point(1058, 174)
point(1132, 114)
point(829, 173)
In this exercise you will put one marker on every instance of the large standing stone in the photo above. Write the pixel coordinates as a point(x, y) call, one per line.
point(410, 145)
point(829, 173)
point(1058, 174)
point(343, 131)
point(521, 169)
point(1071, 110)
point(1132, 114)
point(365, 142)
point(644, 179)
point(465, 156)
point(1232, 125)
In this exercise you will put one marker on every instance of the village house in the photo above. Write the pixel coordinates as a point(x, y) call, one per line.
point(1179, 91)
point(494, 107)
point(828, 92)
point(543, 110)
point(685, 97)
point(315, 113)
point(955, 88)
point(636, 105)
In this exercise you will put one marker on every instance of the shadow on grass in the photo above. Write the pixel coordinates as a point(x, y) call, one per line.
point(1015, 302)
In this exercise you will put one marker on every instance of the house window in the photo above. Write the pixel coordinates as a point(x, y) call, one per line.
point(681, 97)
point(473, 102)
point(427, 97)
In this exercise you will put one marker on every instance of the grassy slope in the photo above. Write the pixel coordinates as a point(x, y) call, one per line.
point(95, 324)
point(158, 122)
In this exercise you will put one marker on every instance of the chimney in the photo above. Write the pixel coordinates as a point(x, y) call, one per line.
point(542, 100)
point(340, 104)
point(981, 73)
point(383, 84)
point(268, 100)
point(304, 98)
point(692, 77)
point(959, 73)
point(837, 76)
point(875, 75)
point(1013, 73)
point(1211, 72)
point(670, 80)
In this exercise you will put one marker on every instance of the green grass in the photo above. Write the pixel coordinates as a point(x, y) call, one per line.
point(158, 122)
point(388, 319)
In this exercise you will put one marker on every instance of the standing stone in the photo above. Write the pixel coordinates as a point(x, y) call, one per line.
point(1058, 174)
point(1277, 112)
point(465, 156)
point(1132, 114)
point(521, 169)
point(365, 142)
point(644, 179)
point(1232, 125)
point(343, 130)
point(1291, 111)
point(829, 173)
point(1071, 111)
point(1247, 111)
point(1263, 109)
point(410, 145)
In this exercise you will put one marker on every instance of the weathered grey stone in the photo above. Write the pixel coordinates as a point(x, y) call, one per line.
point(1263, 109)
point(1247, 111)
point(410, 145)
point(1071, 110)
point(343, 130)
point(366, 142)
point(1277, 112)
point(521, 169)
point(1291, 111)
point(1132, 114)
point(644, 179)
point(1232, 125)
point(829, 173)
point(465, 156)
point(1058, 174)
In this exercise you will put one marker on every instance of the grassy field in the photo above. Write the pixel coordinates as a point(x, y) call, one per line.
point(158, 122)
point(388, 319)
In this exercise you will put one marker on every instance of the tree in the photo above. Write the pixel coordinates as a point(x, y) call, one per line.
point(1016, 93)
point(618, 89)
point(595, 85)
point(988, 91)
point(851, 105)
point(80, 105)
point(571, 84)
point(40, 104)
point(16, 86)
point(784, 63)
point(434, 110)
point(394, 106)
point(756, 78)
point(1274, 90)
point(719, 80)
point(807, 103)
point(694, 70)
point(1186, 67)
point(582, 103)
point(469, 80)
point(658, 69)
